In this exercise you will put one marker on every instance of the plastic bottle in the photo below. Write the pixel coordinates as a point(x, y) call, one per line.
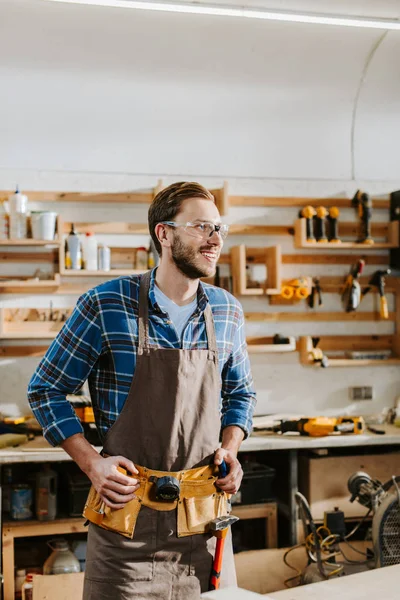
point(62, 560)
point(4, 222)
point(27, 587)
point(103, 257)
point(73, 256)
point(90, 252)
point(46, 494)
point(151, 260)
point(18, 215)
point(20, 577)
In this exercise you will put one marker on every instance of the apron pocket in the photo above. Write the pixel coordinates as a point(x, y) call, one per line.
point(121, 521)
point(195, 513)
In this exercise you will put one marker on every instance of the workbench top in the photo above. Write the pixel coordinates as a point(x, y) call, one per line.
point(40, 451)
point(370, 585)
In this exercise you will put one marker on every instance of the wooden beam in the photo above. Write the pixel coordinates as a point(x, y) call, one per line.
point(356, 342)
point(17, 351)
point(125, 198)
point(48, 256)
point(292, 202)
point(257, 256)
point(278, 317)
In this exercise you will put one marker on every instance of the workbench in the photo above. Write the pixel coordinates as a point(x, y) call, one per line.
point(370, 585)
point(289, 445)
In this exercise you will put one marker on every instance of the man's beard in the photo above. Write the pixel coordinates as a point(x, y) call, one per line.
point(184, 257)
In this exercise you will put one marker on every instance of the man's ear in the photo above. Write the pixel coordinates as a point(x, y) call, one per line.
point(163, 235)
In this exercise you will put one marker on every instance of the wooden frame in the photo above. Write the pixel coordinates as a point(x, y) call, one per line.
point(267, 511)
point(392, 233)
point(18, 529)
point(272, 261)
point(30, 285)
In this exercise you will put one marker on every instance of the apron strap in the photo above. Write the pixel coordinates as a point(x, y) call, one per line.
point(210, 329)
point(144, 318)
point(144, 312)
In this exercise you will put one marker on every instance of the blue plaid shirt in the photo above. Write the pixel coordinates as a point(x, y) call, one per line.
point(99, 343)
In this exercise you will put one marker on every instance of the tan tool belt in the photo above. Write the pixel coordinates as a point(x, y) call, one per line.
point(200, 501)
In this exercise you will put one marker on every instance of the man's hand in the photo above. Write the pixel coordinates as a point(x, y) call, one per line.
point(231, 483)
point(115, 488)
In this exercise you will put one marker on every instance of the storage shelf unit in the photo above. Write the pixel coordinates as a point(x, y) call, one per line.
point(272, 261)
point(18, 529)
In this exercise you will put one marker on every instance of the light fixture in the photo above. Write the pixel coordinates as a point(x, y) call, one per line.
point(246, 13)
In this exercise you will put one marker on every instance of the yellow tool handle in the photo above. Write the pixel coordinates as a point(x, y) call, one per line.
point(384, 308)
point(302, 292)
point(287, 292)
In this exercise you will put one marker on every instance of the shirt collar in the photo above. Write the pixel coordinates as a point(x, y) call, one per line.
point(202, 298)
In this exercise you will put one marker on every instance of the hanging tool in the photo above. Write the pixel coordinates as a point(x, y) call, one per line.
point(299, 289)
point(316, 355)
point(219, 527)
point(378, 280)
point(351, 295)
point(320, 223)
point(363, 203)
point(315, 294)
point(309, 213)
point(320, 426)
point(333, 225)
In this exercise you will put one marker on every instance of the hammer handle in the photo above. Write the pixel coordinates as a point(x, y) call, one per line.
point(217, 564)
point(384, 308)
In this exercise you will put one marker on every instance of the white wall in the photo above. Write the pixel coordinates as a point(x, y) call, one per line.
point(96, 99)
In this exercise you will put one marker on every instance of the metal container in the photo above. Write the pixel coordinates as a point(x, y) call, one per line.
point(104, 258)
point(21, 501)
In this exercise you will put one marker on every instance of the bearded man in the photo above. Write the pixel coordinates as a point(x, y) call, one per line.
point(169, 377)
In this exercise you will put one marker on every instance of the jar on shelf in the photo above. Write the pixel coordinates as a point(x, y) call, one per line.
point(141, 258)
point(61, 560)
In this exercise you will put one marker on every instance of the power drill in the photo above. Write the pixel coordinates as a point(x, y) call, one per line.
point(363, 203)
point(320, 426)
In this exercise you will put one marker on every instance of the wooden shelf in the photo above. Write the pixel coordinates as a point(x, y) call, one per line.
point(272, 261)
point(349, 343)
point(265, 345)
point(30, 286)
point(300, 239)
point(29, 242)
point(111, 273)
point(25, 323)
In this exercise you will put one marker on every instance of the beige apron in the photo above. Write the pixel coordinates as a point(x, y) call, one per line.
point(169, 422)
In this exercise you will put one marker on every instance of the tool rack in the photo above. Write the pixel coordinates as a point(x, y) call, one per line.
point(76, 282)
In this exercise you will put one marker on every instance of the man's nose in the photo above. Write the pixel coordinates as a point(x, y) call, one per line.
point(215, 239)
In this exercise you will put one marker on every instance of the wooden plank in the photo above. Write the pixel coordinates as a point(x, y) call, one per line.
point(283, 317)
point(256, 256)
point(18, 351)
point(356, 342)
point(29, 242)
point(222, 199)
point(283, 202)
point(124, 197)
point(48, 256)
point(32, 528)
point(62, 587)
point(106, 227)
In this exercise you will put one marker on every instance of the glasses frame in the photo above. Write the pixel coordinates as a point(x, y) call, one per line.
point(217, 228)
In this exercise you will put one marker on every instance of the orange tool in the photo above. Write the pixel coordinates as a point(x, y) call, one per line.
point(219, 528)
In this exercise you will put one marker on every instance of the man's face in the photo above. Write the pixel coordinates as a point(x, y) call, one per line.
point(196, 256)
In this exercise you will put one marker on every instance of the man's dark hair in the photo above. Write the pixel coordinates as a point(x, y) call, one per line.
point(167, 204)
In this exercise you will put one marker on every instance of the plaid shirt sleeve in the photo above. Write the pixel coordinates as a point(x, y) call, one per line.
point(238, 394)
point(63, 370)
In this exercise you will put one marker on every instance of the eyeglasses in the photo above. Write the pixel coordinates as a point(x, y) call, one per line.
point(201, 230)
